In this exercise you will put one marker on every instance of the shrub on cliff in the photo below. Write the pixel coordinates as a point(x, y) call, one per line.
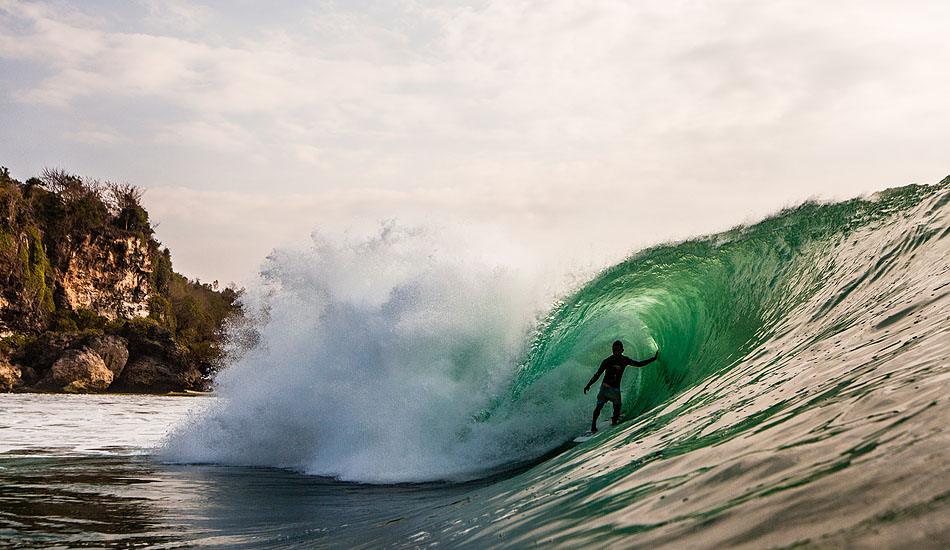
point(198, 311)
point(25, 270)
point(125, 202)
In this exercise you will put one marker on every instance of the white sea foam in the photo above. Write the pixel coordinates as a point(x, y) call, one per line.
point(383, 359)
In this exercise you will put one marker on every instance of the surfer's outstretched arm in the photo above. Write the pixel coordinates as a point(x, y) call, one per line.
point(602, 368)
point(648, 361)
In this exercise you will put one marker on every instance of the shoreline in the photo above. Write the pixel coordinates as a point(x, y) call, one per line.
point(174, 393)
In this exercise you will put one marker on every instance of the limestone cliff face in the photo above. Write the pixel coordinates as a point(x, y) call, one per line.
point(109, 276)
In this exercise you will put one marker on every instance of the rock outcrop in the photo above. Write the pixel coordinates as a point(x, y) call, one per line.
point(157, 364)
point(145, 360)
point(153, 374)
point(10, 376)
point(79, 371)
point(112, 349)
point(89, 301)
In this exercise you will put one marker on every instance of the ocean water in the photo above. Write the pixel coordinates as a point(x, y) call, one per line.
point(394, 392)
point(64, 483)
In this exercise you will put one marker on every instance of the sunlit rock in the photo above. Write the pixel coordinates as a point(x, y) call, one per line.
point(10, 376)
point(112, 349)
point(79, 371)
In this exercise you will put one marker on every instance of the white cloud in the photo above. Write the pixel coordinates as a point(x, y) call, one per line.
point(100, 137)
point(216, 134)
point(538, 117)
point(547, 79)
point(177, 15)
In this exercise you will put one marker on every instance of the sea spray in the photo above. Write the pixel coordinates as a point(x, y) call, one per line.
point(376, 360)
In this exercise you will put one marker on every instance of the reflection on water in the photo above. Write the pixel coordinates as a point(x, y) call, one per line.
point(77, 503)
point(75, 472)
point(35, 423)
point(132, 501)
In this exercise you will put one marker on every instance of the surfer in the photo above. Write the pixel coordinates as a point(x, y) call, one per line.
point(613, 367)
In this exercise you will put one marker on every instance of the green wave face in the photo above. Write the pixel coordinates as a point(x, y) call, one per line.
point(800, 401)
point(707, 303)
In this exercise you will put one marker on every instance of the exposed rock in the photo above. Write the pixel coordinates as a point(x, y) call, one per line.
point(79, 371)
point(146, 359)
point(112, 349)
point(157, 364)
point(37, 360)
point(109, 276)
point(42, 353)
point(151, 339)
point(10, 375)
point(4, 329)
point(156, 375)
point(28, 375)
point(78, 258)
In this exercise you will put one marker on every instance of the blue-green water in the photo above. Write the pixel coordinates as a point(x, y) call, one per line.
point(801, 399)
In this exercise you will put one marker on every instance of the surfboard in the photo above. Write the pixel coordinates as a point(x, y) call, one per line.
point(604, 426)
point(587, 436)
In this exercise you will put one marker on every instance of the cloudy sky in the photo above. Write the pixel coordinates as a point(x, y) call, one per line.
point(578, 130)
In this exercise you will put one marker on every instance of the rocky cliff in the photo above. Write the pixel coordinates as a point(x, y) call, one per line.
point(88, 299)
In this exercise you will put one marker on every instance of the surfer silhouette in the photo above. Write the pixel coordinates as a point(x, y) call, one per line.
point(612, 367)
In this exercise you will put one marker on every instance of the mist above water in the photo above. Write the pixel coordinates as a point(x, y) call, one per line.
point(380, 359)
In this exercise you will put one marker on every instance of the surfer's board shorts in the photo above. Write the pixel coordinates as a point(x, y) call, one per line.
point(608, 394)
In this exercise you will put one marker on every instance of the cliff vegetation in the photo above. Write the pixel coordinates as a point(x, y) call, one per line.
point(89, 300)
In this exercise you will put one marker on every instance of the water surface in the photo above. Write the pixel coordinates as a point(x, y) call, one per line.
point(801, 400)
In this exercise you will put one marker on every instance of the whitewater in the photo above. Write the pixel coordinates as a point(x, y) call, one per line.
point(394, 391)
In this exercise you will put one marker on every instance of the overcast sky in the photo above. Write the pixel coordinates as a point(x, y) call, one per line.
point(581, 130)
